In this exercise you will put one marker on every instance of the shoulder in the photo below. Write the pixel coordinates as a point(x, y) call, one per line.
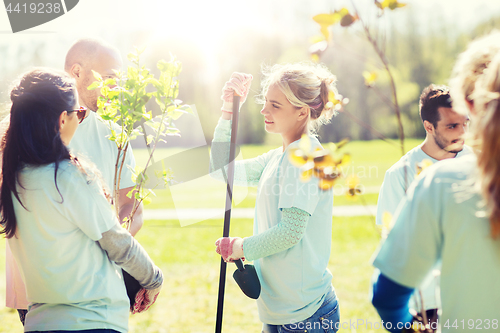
point(451, 176)
point(453, 168)
point(414, 154)
point(466, 151)
point(68, 174)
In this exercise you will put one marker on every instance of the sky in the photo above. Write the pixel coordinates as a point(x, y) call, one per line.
point(205, 24)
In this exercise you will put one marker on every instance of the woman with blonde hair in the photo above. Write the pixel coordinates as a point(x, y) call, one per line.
point(293, 220)
point(451, 214)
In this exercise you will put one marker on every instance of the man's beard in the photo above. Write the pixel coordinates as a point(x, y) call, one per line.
point(447, 145)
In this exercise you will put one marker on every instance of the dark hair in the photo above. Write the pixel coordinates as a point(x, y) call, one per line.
point(33, 134)
point(432, 98)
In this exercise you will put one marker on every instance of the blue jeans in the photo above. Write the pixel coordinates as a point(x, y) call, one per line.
point(325, 320)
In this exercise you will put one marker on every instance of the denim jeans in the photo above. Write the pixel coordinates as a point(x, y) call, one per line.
point(98, 330)
point(325, 320)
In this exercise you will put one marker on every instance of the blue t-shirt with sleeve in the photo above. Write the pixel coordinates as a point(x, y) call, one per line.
point(441, 220)
point(71, 283)
point(296, 280)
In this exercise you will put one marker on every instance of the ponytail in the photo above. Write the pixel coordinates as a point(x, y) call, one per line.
point(487, 105)
point(304, 85)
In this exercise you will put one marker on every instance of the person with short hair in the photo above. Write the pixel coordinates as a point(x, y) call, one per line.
point(450, 216)
point(293, 220)
point(59, 224)
point(445, 130)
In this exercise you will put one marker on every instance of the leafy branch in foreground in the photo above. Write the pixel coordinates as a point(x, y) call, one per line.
point(123, 107)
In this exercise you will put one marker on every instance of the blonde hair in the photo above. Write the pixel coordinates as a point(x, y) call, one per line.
point(304, 85)
point(486, 99)
point(469, 66)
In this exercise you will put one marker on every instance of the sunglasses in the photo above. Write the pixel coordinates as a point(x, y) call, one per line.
point(80, 113)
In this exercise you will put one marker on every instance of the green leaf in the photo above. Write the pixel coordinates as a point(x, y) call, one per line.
point(94, 85)
point(139, 50)
point(176, 114)
point(186, 108)
point(171, 131)
point(97, 76)
point(110, 82)
point(149, 139)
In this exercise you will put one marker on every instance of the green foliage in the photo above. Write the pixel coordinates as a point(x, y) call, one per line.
point(123, 106)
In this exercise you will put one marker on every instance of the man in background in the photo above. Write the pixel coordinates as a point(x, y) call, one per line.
point(444, 139)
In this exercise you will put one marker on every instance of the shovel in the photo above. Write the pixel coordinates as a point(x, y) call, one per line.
point(245, 276)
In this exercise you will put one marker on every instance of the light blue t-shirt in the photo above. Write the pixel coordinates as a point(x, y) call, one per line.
point(295, 281)
point(394, 187)
point(71, 283)
point(91, 141)
point(439, 221)
point(391, 193)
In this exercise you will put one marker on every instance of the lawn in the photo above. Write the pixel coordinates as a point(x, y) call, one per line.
point(186, 255)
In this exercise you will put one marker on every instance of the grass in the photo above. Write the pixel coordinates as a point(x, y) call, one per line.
point(370, 160)
point(188, 300)
point(186, 255)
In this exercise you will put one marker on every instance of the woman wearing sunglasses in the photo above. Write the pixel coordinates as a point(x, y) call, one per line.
point(60, 227)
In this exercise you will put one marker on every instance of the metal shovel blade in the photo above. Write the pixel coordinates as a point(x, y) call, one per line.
point(246, 277)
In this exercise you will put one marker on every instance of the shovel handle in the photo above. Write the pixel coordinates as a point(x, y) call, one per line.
point(239, 264)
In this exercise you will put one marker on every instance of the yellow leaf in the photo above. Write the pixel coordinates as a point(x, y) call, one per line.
point(387, 220)
point(342, 143)
point(346, 159)
point(325, 184)
point(326, 33)
point(352, 182)
point(424, 164)
point(370, 78)
point(327, 19)
point(305, 144)
point(322, 159)
point(306, 175)
point(386, 3)
point(343, 12)
point(297, 157)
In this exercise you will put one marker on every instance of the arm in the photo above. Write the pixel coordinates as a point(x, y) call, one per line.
point(390, 299)
point(126, 204)
point(246, 172)
point(286, 234)
point(126, 252)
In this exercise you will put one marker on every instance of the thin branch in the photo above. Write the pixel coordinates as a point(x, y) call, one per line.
point(368, 127)
point(383, 58)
